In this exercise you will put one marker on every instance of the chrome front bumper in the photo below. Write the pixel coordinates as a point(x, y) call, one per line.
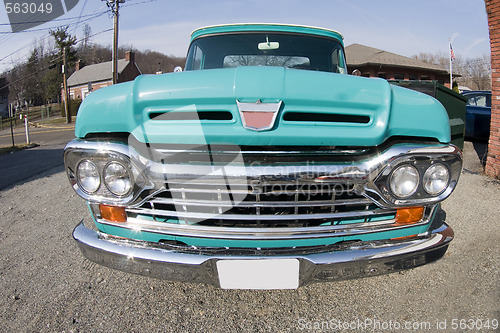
point(355, 261)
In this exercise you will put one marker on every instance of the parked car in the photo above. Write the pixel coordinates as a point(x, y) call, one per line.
point(262, 165)
point(478, 114)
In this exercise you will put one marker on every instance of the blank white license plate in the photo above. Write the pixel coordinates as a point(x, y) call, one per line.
point(259, 274)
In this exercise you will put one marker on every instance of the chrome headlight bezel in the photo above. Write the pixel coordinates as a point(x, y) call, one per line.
point(102, 155)
point(382, 192)
point(369, 175)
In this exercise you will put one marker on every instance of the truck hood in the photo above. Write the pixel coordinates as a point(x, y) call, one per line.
point(317, 108)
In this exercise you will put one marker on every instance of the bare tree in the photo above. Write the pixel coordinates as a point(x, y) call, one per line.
point(478, 72)
point(87, 32)
point(474, 73)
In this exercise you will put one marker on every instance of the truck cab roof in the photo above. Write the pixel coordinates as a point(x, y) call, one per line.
point(267, 27)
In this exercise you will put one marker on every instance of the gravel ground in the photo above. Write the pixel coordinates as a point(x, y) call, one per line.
point(47, 286)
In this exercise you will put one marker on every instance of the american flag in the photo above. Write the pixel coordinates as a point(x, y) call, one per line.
point(452, 55)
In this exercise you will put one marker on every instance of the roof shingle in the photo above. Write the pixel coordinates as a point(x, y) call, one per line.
point(96, 73)
point(358, 55)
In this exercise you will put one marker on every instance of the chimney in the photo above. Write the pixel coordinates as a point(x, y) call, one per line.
point(79, 65)
point(130, 56)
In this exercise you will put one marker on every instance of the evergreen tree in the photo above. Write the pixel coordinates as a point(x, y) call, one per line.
point(53, 77)
point(64, 40)
point(33, 93)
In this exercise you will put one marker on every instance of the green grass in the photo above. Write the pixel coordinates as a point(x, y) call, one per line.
point(11, 149)
point(45, 122)
point(53, 121)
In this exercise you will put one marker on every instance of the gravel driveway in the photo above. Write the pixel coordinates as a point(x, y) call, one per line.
point(48, 286)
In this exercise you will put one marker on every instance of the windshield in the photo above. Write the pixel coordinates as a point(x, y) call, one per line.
point(266, 49)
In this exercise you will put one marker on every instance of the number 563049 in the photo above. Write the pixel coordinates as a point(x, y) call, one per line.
point(28, 7)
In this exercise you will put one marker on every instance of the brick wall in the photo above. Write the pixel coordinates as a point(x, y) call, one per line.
point(79, 92)
point(493, 162)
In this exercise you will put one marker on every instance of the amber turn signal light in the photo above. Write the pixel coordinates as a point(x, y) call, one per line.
point(409, 215)
point(113, 213)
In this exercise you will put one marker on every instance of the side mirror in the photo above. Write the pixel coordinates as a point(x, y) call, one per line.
point(177, 69)
point(356, 72)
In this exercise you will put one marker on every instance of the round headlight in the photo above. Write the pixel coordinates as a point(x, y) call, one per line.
point(404, 181)
point(117, 179)
point(436, 179)
point(88, 176)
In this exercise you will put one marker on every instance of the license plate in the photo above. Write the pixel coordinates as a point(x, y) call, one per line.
point(258, 274)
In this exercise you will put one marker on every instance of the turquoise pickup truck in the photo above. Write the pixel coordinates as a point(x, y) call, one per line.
point(262, 165)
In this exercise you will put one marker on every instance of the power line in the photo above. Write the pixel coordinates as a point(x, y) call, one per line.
point(53, 20)
point(54, 27)
point(77, 41)
point(114, 5)
point(4, 36)
point(80, 16)
point(91, 16)
point(100, 32)
point(7, 36)
point(31, 17)
point(25, 77)
point(138, 3)
point(88, 17)
point(57, 58)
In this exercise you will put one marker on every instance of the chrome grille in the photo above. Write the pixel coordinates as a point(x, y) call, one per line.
point(263, 205)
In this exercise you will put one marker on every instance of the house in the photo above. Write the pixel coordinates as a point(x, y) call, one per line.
point(92, 77)
point(372, 62)
point(4, 98)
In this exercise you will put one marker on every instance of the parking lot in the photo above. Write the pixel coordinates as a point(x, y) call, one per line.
point(48, 286)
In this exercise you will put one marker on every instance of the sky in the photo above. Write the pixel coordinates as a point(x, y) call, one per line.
point(399, 26)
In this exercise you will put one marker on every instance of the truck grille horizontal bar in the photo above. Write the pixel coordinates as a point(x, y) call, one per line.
point(263, 204)
point(272, 204)
point(242, 217)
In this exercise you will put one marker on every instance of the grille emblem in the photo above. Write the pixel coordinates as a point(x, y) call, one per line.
point(258, 116)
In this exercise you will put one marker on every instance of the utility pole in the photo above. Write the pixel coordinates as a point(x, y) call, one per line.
point(115, 6)
point(65, 88)
point(11, 128)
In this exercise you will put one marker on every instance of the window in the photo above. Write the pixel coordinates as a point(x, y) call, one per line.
point(265, 60)
point(85, 92)
point(382, 75)
point(399, 76)
point(479, 100)
point(338, 59)
point(196, 54)
point(413, 77)
point(267, 49)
